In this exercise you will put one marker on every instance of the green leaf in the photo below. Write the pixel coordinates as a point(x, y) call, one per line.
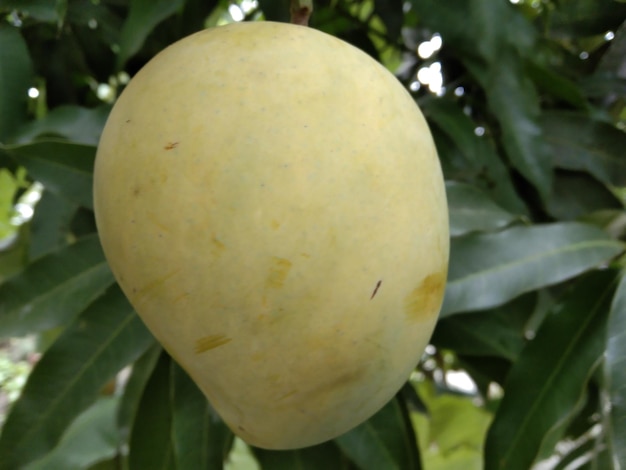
point(481, 163)
point(452, 435)
point(556, 84)
point(50, 225)
point(549, 379)
point(487, 270)
point(143, 16)
point(615, 368)
point(576, 194)
point(91, 438)
point(515, 103)
point(276, 10)
point(498, 332)
point(42, 10)
point(201, 439)
point(16, 74)
point(69, 376)
point(587, 17)
point(326, 456)
point(54, 289)
point(580, 143)
point(390, 12)
point(386, 440)
point(129, 403)
point(151, 441)
point(62, 167)
point(74, 123)
point(472, 210)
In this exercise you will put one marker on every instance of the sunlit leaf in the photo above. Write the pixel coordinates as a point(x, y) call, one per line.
point(54, 289)
point(550, 376)
point(62, 167)
point(68, 378)
point(616, 372)
point(487, 270)
point(472, 210)
point(386, 440)
point(16, 74)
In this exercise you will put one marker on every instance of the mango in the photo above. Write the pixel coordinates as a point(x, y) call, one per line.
point(270, 200)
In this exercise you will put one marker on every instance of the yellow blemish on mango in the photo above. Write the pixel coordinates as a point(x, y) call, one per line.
point(207, 343)
point(426, 297)
point(218, 246)
point(288, 394)
point(152, 217)
point(156, 283)
point(180, 297)
point(275, 224)
point(278, 272)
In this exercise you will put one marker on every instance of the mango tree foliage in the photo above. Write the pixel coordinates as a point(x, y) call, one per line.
point(527, 104)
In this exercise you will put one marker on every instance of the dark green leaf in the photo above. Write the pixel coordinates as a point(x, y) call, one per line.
point(69, 376)
point(616, 372)
point(16, 74)
point(515, 103)
point(54, 289)
point(548, 381)
point(276, 10)
point(143, 16)
point(472, 210)
point(135, 386)
point(201, 439)
point(386, 440)
point(498, 332)
point(587, 17)
point(576, 194)
point(556, 85)
point(326, 456)
point(390, 12)
point(151, 440)
point(91, 438)
point(580, 143)
point(42, 10)
point(50, 225)
point(62, 167)
point(77, 124)
point(480, 163)
point(487, 270)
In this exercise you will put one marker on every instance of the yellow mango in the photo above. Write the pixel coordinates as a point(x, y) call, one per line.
point(270, 201)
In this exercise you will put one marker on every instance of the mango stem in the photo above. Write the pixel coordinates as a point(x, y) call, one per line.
point(301, 11)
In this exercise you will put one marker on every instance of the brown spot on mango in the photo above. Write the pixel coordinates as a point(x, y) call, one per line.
point(278, 272)
point(209, 342)
point(426, 297)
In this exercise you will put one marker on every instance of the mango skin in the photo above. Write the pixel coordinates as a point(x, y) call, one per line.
point(270, 201)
